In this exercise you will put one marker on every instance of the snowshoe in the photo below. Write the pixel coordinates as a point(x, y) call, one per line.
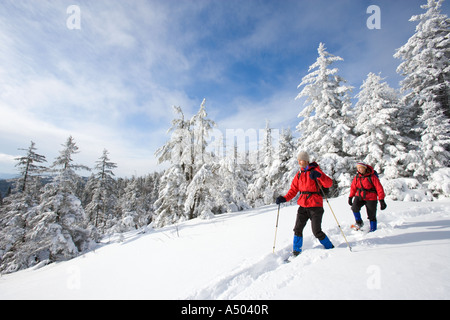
point(358, 225)
point(292, 256)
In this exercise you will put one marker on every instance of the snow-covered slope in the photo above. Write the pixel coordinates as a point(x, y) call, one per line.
point(230, 257)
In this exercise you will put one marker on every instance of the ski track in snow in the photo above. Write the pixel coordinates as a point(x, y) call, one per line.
point(239, 283)
point(236, 281)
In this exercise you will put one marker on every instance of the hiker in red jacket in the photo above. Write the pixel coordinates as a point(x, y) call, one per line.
point(366, 188)
point(308, 182)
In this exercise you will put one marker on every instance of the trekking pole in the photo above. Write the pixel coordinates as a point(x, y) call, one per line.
point(323, 193)
point(276, 228)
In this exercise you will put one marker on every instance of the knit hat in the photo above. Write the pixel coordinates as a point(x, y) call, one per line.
point(303, 155)
point(362, 164)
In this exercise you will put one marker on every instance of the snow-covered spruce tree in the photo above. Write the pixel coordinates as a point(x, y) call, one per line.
point(202, 192)
point(260, 191)
point(186, 151)
point(139, 201)
point(28, 165)
point(204, 196)
point(169, 207)
point(201, 128)
point(133, 211)
point(28, 187)
point(378, 141)
point(16, 212)
point(234, 176)
point(276, 168)
point(102, 187)
point(325, 126)
point(58, 227)
point(178, 150)
point(151, 186)
point(426, 67)
point(285, 165)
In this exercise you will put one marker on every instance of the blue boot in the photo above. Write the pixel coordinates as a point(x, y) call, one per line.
point(326, 243)
point(373, 226)
point(358, 219)
point(298, 243)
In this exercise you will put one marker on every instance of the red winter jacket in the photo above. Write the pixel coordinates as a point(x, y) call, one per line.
point(311, 195)
point(367, 186)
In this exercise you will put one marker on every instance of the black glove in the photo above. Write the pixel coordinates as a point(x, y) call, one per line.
point(382, 205)
point(350, 201)
point(280, 199)
point(315, 174)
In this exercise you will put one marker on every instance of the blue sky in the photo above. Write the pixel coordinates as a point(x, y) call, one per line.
point(112, 83)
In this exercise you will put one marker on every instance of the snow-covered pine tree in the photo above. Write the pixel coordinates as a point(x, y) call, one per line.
point(14, 225)
point(151, 186)
point(201, 129)
point(426, 67)
point(66, 179)
point(28, 165)
point(28, 187)
point(325, 126)
point(286, 161)
point(16, 212)
point(178, 150)
point(234, 176)
point(134, 208)
point(202, 192)
point(186, 151)
point(102, 187)
point(378, 141)
point(260, 191)
point(58, 227)
point(169, 207)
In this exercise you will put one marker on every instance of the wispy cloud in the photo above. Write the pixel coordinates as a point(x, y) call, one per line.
point(95, 83)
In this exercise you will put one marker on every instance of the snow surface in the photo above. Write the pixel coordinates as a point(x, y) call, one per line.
point(230, 257)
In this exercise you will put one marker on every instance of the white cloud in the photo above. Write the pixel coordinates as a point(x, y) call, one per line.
point(281, 109)
point(88, 85)
point(91, 138)
point(7, 158)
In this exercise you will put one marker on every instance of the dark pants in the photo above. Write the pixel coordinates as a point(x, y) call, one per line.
point(313, 213)
point(371, 207)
